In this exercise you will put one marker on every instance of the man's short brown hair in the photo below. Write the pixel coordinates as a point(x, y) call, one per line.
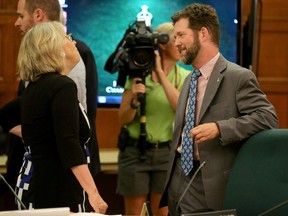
point(50, 7)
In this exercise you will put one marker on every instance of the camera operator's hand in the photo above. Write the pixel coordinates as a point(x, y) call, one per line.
point(137, 88)
point(160, 74)
point(158, 70)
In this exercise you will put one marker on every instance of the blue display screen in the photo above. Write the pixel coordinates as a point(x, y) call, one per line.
point(102, 24)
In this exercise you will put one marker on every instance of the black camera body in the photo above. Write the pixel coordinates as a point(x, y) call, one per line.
point(140, 45)
point(134, 55)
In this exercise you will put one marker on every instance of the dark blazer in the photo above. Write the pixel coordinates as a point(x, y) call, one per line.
point(232, 98)
point(16, 148)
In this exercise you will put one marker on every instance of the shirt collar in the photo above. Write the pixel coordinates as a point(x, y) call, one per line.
point(207, 68)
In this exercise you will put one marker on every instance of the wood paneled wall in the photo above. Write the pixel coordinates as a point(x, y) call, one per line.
point(272, 72)
point(273, 56)
point(9, 45)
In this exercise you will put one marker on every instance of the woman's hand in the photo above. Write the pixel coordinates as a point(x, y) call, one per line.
point(97, 203)
point(160, 75)
point(158, 67)
point(137, 87)
point(86, 181)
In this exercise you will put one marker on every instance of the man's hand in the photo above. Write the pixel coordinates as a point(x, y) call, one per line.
point(204, 132)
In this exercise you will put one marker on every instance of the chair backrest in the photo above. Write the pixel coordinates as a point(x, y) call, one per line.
point(259, 178)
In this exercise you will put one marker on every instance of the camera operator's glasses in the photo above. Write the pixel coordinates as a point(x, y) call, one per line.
point(69, 37)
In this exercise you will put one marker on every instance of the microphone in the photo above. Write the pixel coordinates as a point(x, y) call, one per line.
point(274, 208)
point(22, 204)
point(190, 182)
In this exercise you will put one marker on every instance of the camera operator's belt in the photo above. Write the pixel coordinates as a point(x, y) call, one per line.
point(149, 145)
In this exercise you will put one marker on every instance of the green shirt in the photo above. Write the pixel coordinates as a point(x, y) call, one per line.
point(159, 113)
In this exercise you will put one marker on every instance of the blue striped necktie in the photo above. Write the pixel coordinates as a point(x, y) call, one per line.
point(187, 142)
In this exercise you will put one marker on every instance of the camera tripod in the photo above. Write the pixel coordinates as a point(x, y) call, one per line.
point(142, 142)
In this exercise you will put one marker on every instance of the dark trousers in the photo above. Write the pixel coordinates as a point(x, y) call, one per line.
point(194, 199)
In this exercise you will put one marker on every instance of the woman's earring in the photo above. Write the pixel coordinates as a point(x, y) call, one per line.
point(62, 54)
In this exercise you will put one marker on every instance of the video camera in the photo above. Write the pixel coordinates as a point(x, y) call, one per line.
point(134, 55)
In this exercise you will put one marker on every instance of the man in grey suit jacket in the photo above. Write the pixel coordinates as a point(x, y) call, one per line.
point(230, 107)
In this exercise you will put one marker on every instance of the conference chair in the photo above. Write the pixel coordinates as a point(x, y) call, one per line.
point(258, 183)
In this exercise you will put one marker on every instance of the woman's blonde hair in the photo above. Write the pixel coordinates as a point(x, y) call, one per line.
point(41, 51)
point(166, 27)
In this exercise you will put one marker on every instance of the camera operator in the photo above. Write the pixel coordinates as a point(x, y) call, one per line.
point(142, 180)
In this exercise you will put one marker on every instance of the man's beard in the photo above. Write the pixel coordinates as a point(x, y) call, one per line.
point(191, 52)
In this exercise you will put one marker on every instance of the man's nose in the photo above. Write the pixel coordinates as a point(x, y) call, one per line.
point(17, 23)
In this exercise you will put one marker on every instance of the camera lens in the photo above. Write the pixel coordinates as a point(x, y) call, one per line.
point(142, 57)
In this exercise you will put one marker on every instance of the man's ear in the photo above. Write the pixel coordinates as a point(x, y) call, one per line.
point(204, 33)
point(39, 15)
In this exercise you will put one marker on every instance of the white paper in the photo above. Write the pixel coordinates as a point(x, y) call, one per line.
point(38, 212)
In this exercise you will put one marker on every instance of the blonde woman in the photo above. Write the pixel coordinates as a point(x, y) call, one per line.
point(54, 125)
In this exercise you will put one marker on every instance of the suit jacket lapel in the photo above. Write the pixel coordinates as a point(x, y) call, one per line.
point(213, 85)
point(184, 97)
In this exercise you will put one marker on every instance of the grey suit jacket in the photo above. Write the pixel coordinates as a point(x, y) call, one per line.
point(233, 99)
